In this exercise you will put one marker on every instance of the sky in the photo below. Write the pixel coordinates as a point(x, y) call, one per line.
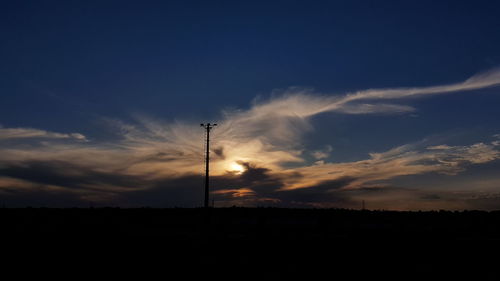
point(319, 104)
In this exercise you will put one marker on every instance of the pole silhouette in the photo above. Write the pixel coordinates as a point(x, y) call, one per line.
point(207, 128)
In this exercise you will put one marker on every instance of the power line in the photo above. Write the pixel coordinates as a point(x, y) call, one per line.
point(207, 128)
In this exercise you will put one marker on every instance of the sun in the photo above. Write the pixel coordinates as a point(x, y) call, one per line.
point(236, 168)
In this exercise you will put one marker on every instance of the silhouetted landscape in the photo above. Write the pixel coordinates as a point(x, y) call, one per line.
point(252, 224)
point(271, 243)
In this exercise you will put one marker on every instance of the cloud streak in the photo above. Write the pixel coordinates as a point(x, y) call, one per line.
point(26, 133)
point(303, 104)
point(411, 159)
point(265, 139)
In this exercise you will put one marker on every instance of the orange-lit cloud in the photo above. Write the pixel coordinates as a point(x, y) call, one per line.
point(401, 161)
point(153, 154)
point(240, 192)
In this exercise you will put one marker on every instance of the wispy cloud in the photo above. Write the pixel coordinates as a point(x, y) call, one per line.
point(303, 103)
point(410, 159)
point(152, 154)
point(24, 133)
point(322, 154)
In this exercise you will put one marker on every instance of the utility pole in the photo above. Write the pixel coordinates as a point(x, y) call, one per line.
point(207, 128)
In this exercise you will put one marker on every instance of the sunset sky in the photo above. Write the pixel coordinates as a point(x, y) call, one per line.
point(319, 103)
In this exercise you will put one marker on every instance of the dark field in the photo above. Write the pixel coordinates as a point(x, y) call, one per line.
point(260, 244)
point(250, 224)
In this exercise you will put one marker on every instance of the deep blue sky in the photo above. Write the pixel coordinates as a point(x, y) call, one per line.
point(67, 64)
point(68, 59)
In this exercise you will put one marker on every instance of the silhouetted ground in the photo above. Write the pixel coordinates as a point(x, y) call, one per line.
point(263, 244)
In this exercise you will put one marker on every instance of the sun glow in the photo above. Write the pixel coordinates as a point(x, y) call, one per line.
point(236, 168)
